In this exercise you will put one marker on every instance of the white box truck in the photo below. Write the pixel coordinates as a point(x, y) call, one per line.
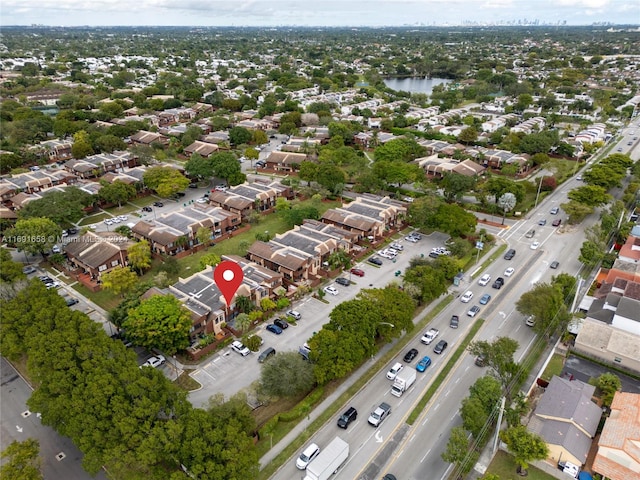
point(329, 460)
point(403, 381)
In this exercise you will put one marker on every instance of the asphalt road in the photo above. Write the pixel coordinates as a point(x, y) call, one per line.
point(58, 455)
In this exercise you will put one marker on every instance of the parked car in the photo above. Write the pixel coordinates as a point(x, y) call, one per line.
point(266, 353)
point(509, 271)
point(453, 323)
point(260, 164)
point(499, 282)
point(193, 185)
point(331, 289)
point(375, 261)
point(479, 361)
point(410, 355)
point(154, 361)
point(466, 298)
point(530, 234)
point(396, 246)
point(274, 329)
point(555, 264)
point(307, 455)
point(347, 417)
point(343, 281)
point(394, 371)
point(473, 311)
point(56, 249)
point(556, 222)
point(281, 322)
point(357, 272)
point(440, 347)
point(158, 204)
point(294, 314)
point(484, 299)
point(71, 301)
point(147, 209)
point(423, 364)
point(412, 239)
point(29, 269)
point(238, 346)
point(535, 245)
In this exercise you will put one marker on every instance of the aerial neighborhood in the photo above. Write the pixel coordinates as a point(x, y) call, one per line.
point(389, 239)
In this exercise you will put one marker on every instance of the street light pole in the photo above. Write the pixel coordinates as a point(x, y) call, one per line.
point(538, 194)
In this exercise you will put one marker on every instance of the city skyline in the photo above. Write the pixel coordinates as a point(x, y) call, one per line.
point(331, 13)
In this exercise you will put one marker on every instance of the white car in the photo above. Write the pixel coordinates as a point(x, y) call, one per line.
point(239, 347)
point(390, 254)
point(535, 245)
point(509, 271)
point(484, 279)
point(331, 289)
point(396, 246)
point(202, 200)
point(305, 457)
point(411, 239)
point(154, 361)
point(395, 370)
point(466, 298)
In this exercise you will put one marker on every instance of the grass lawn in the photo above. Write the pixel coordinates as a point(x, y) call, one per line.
point(504, 466)
point(554, 367)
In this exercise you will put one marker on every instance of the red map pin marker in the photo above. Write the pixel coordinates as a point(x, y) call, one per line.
point(228, 277)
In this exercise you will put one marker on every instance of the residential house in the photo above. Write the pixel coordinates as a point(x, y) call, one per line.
point(258, 196)
point(97, 165)
point(618, 456)
point(285, 161)
point(437, 167)
point(54, 150)
point(147, 138)
point(567, 420)
point(175, 232)
point(204, 149)
point(96, 253)
point(369, 216)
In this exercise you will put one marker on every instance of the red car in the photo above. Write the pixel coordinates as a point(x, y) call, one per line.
point(557, 222)
point(357, 272)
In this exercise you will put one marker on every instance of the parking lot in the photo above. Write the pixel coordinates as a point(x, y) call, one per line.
point(228, 372)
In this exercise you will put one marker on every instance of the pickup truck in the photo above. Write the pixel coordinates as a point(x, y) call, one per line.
point(379, 414)
point(430, 336)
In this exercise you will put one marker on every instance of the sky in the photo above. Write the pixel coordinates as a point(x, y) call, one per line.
point(272, 13)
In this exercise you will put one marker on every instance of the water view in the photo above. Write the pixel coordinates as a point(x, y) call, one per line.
point(415, 84)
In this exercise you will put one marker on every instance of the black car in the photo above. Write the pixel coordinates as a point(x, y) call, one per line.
point(193, 185)
point(440, 347)
point(268, 352)
point(158, 204)
point(479, 361)
point(147, 209)
point(498, 283)
point(375, 261)
point(347, 417)
point(281, 322)
point(453, 323)
point(72, 231)
point(343, 281)
point(410, 355)
point(180, 194)
point(260, 164)
point(510, 254)
point(71, 301)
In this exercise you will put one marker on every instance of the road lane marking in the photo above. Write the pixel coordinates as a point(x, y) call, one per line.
point(425, 456)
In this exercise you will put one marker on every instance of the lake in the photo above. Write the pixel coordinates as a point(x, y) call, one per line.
point(415, 84)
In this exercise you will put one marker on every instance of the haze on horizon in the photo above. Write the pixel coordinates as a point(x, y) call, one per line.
point(330, 13)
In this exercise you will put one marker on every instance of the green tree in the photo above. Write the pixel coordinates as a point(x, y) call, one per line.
point(546, 304)
point(23, 462)
point(499, 356)
point(576, 211)
point(456, 185)
point(524, 445)
point(199, 167)
point(160, 322)
point(203, 235)
point(34, 235)
point(62, 207)
point(239, 135)
point(498, 186)
point(244, 304)
point(329, 175)
point(308, 171)
point(81, 147)
point(591, 195)
point(452, 219)
point(117, 192)
point(473, 416)
point(139, 255)
point(287, 374)
point(242, 322)
point(209, 259)
point(225, 165)
point(468, 136)
point(119, 280)
point(457, 446)
point(429, 282)
point(10, 271)
point(608, 384)
point(166, 181)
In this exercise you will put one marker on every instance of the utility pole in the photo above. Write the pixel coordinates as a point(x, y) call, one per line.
point(495, 440)
point(538, 194)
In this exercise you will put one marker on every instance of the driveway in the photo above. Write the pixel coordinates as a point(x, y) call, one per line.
point(583, 370)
